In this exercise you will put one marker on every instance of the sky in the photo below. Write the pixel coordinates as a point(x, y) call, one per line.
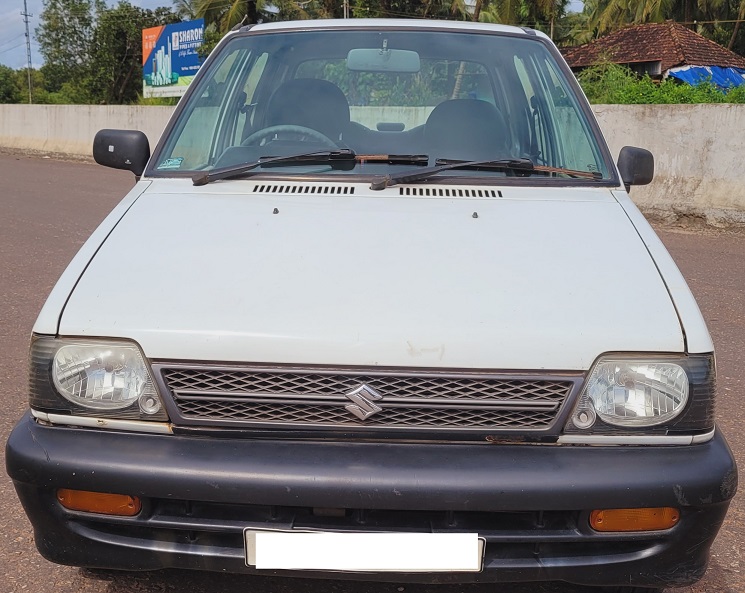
point(13, 30)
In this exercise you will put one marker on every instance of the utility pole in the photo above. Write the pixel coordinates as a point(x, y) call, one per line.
point(25, 14)
point(346, 9)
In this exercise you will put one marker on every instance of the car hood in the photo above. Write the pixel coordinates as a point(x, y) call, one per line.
point(238, 271)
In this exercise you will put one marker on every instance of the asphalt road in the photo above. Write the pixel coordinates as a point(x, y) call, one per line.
point(48, 208)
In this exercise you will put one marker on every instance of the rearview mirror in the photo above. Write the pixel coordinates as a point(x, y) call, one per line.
point(122, 149)
point(383, 60)
point(636, 166)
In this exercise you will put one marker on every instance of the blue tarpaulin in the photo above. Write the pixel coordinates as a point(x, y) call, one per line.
point(724, 78)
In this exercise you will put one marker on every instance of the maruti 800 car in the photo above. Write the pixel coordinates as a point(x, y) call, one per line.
point(379, 306)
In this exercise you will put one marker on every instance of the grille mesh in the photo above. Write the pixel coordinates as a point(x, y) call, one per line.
point(306, 398)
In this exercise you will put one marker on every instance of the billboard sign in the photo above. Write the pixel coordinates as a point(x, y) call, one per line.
point(169, 58)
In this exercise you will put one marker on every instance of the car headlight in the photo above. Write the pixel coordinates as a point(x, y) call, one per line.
point(635, 392)
point(94, 378)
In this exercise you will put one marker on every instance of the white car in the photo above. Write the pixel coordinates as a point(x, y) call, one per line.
point(378, 307)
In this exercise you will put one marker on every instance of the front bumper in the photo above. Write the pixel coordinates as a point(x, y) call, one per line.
point(530, 502)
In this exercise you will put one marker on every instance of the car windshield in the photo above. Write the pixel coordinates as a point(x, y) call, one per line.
point(420, 95)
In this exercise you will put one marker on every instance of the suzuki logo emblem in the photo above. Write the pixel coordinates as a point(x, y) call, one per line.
point(363, 402)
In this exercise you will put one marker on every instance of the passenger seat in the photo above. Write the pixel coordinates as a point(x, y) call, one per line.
point(466, 129)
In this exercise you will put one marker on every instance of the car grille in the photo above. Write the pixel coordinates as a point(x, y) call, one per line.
point(325, 398)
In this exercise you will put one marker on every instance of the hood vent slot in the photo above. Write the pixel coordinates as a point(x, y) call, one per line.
point(449, 192)
point(335, 190)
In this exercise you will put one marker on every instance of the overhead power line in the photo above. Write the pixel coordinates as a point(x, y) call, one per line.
point(11, 40)
point(2, 51)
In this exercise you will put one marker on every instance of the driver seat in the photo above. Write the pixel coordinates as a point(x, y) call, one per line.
point(311, 103)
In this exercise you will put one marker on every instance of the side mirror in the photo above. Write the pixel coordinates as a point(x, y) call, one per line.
point(122, 149)
point(636, 166)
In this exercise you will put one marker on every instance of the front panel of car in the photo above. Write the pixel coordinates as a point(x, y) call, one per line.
point(409, 323)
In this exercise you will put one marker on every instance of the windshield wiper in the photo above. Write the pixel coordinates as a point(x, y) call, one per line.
point(344, 159)
point(519, 166)
point(394, 159)
point(536, 168)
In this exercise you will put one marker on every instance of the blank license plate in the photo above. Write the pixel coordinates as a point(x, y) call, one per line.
point(364, 552)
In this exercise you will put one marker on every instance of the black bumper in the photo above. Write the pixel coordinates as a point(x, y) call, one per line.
point(530, 502)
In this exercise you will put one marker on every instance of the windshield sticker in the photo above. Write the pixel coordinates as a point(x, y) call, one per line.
point(174, 163)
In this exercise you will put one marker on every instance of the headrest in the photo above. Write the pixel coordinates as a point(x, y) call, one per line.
point(466, 129)
point(312, 103)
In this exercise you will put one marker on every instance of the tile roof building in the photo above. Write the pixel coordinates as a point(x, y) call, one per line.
point(657, 49)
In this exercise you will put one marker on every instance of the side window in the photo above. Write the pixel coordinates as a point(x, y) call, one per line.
point(559, 136)
point(220, 115)
point(190, 150)
point(247, 97)
point(540, 149)
point(576, 152)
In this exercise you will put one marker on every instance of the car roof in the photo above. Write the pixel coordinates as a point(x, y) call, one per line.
point(393, 24)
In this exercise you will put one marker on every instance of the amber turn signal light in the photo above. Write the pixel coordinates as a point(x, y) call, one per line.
point(122, 505)
point(645, 519)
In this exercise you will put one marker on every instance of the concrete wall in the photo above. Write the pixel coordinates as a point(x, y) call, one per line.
point(698, 148)
point(69, 129)
point(699, 158)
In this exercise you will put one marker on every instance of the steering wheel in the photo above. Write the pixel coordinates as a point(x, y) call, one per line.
point(257, 137)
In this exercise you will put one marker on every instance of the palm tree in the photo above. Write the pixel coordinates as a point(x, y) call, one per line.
point(444, 8)
point(705, 16)
point(506, 12)
point(608, 15)
point(223, 13)
point(185, 9)
point(540, 14)
point(740, 17)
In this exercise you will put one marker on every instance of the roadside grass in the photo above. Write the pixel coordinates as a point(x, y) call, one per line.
point(613, 84)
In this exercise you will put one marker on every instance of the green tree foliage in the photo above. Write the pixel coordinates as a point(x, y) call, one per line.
point(9, 91)
point(68, 93)
point(225, 14)
point(114, 74)
point(538, 14)
point(716, 19)
point(38, 84)
point(221, 15)
point(614, 84)
point(609, 15)
point(186, 10)
point(65, 35)
point(93, 52)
